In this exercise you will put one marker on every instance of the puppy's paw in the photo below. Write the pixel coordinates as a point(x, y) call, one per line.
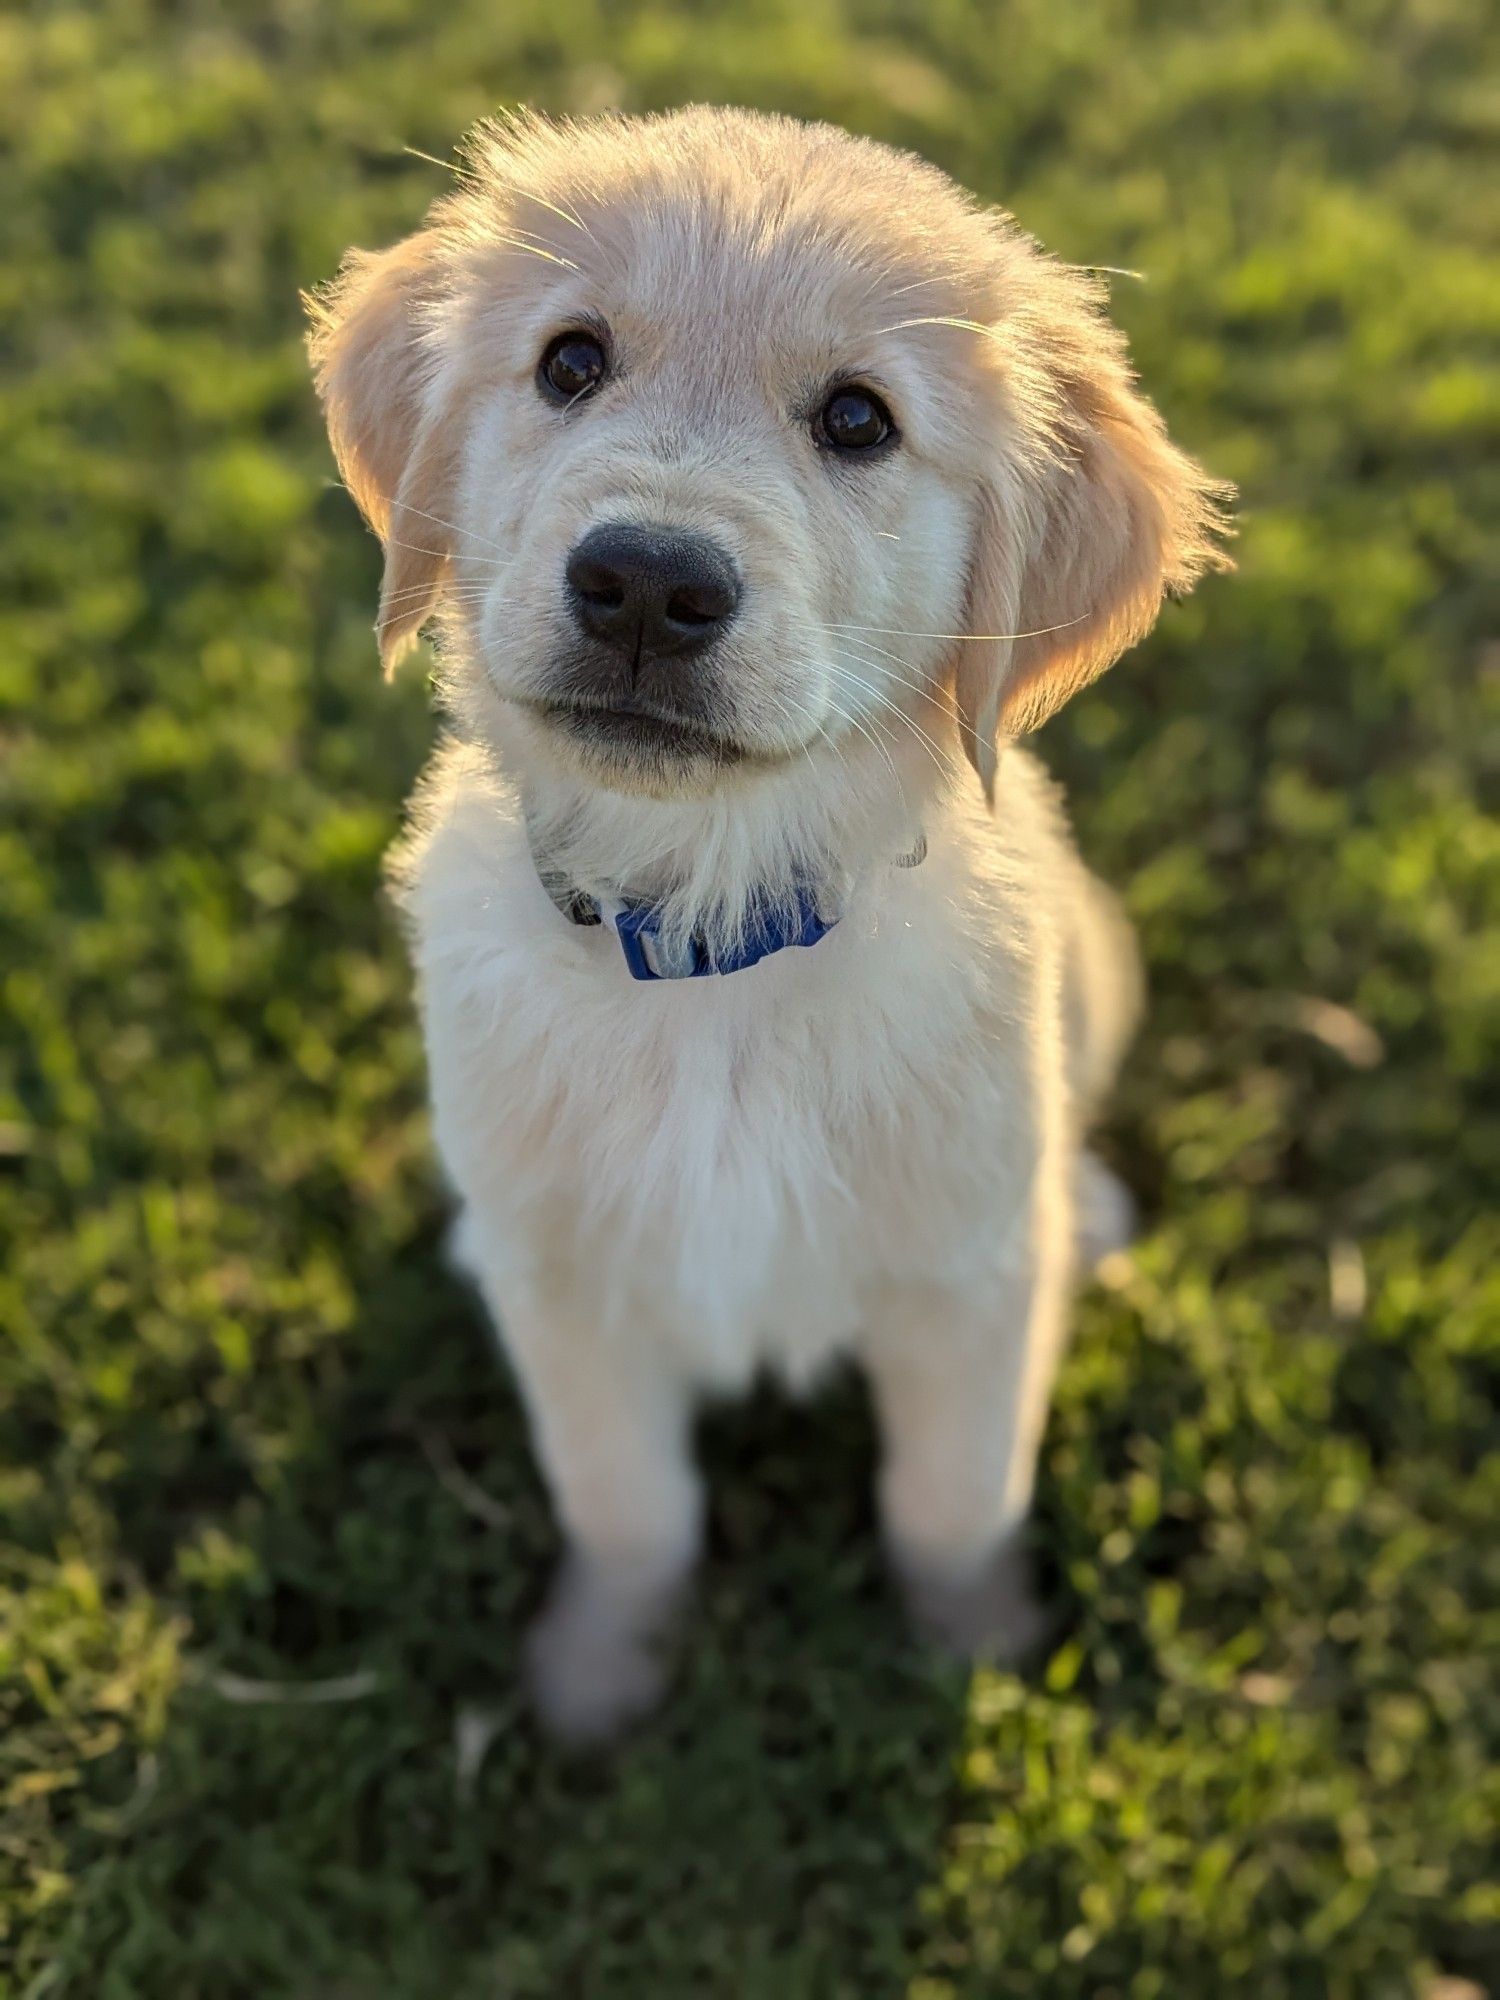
point(597, 1654)
point(990, 1614)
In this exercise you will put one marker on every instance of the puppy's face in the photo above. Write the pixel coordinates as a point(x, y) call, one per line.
point(725, 442)
point(728, 491)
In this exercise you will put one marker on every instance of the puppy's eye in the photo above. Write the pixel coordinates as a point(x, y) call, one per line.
point(573, 364)
point(854, 420)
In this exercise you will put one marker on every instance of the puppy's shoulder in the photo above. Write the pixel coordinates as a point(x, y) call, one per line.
point(1020, 851)
point(1031, 813)
point(463, 824)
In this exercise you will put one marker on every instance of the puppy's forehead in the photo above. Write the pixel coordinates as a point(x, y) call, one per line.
point(707, 303)
point(707, 225)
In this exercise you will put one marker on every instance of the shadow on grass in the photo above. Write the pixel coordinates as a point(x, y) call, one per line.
point(771, 1833)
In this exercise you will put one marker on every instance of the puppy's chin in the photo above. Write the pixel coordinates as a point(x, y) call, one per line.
point(639, 751)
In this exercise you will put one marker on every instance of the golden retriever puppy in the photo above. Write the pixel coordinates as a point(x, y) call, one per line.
point(761, 482)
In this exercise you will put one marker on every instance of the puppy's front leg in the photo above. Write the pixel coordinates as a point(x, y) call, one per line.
point(611, 1418)
point(961, 1385)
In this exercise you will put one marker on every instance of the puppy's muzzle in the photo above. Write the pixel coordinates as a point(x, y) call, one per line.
point(651, 593)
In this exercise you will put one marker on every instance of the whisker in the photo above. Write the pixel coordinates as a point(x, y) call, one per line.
point(393, 542)
point(476, 594)
point(923, 688)
point(400, 617)
point(390, 500)
point(968, 638)
point(869, 646)
point(819, 734)
point(853, 721)
point(395, 608)
point(452, 526)
point(800, 714)
point(888, 736)
point(412, 590)
point(933, 749)
point(896, 660)
point(446, 555)
point(939, 763)
point(844, 663)
point(461, 583)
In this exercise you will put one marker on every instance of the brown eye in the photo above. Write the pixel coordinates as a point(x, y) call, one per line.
point(854, 420)
point(571, 366)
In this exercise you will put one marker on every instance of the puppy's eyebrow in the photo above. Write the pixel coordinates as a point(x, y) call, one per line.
point(551, 256)
point(938, 319)
point(916, 285)
point(563, 214)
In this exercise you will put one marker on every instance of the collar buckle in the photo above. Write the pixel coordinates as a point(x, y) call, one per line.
point(638, 927)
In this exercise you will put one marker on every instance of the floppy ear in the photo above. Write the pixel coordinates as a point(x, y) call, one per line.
point(1078, 566)
point(373, 376)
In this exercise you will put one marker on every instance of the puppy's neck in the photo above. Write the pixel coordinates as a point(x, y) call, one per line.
point(707, 861)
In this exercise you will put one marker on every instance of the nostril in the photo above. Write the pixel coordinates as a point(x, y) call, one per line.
point(605, 596)
point(694, 607)
point(589, 575)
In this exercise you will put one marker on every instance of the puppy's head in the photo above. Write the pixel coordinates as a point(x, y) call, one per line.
point(722, 441)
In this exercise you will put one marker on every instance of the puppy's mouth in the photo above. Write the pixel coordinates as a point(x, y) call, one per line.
point(638, 729)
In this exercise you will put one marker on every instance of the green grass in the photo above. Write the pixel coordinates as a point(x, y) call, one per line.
point(235, 1378)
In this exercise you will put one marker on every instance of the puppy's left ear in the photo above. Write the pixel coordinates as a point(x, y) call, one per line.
point(1077, 555)
point(373, 372)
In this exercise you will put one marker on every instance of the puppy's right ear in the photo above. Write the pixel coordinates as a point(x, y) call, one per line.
point(373, 369)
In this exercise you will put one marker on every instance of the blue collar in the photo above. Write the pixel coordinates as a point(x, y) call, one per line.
point(769, 927)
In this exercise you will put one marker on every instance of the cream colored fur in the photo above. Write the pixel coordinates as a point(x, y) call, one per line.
point(873, 1147)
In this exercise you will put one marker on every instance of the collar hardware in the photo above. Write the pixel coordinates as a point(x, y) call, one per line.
point(768, 929)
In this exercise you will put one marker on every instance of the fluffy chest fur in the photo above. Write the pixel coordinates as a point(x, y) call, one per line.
point(737, 1159)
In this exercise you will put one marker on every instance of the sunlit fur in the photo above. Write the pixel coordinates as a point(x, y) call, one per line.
point(874, 1146)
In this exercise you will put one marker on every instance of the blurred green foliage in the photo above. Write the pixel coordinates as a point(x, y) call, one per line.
point(241, 1400)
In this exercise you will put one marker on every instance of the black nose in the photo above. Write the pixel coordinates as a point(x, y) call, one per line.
point(651, 591)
